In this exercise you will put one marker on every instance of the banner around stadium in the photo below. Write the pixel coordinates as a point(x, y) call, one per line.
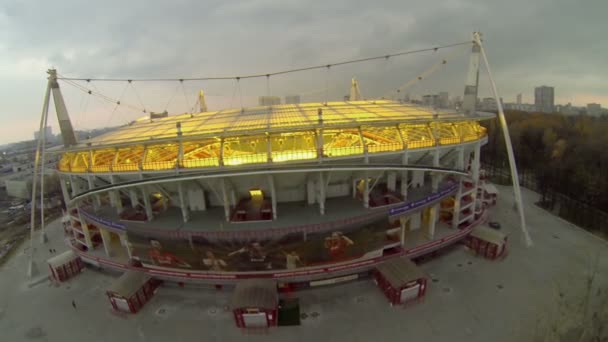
point(417, 204)
point(282, 252)
point(103, 221)
point(399, 210)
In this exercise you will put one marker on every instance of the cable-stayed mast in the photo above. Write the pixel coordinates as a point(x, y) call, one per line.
point(505, 131)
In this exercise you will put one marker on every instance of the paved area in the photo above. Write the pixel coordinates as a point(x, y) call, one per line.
point(469, 299)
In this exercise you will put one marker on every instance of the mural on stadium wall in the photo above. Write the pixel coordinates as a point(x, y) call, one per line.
point(289, 251)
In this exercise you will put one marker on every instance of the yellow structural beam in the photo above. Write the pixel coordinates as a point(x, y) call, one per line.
point(275, 148)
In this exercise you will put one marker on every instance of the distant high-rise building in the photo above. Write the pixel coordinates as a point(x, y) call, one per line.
point(568, 109)
point(269, 100)
point(292, 99)
point(594, 109)
point(456, 102)
point(48, 133)
point(489, 103)
point(431, 100)
point(544, 99)
point(444, 99)
point(518, 99)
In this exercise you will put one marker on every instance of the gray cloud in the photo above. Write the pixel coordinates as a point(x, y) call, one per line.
point(557, 42)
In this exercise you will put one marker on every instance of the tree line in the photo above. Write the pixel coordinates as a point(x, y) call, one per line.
point(566, 157)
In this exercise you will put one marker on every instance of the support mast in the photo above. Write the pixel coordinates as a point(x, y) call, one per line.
point(69, 139)
point(32, 269)
point(509, 146)
point(355, 93)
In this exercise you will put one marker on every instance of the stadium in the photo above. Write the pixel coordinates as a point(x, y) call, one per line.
point(276, 196)
point(300, 192)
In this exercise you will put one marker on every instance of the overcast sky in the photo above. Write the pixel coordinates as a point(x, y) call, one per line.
point(529, 43)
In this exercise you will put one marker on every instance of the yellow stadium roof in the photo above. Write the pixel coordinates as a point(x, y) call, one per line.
point(276, 134)
point(268, 119)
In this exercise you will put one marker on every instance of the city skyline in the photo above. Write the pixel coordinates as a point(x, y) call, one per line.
point(544, 99)
point(441, 99)
point(118, 46)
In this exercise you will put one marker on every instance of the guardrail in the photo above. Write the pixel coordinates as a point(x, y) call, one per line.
point(178, 275)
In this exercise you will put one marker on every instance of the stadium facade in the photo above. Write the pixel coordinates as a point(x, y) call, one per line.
point(310, 193)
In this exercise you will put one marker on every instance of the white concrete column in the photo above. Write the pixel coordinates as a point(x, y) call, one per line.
point(457, 198)
point(475, 168)
point(125, 243)
point(87, 234)
point(404, 178)
point(203, 199)
point(476, 156)
point(273, 196)
point(105, 237)
point(225, 200)
point(435, 216)
point(166, 197)
point(310, 191)
point(391, 181)
point(195, 197)
point(182, 202)
point(365, 190)
point(436, 156)
point(74, 186)
point(113, 199)
point(96, 199)
point(415, 220)
point(115, 196)
point(436, 177)
point(147, 204)
point(64, 190)
point(117, 201)
point(190, 242)
point(85, 231)
point(430, 232)
point(321, 185)
point(133, 197)
point(435, 182)
point(402, 222)
point(232, 197)
point(460, 159)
